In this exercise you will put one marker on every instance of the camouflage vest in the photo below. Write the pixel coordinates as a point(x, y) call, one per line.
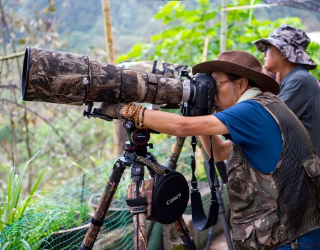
point(271, 209)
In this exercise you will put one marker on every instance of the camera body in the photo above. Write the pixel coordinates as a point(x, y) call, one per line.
point(203, 89)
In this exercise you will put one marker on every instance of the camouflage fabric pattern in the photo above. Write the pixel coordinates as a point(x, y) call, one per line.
point(166, 69)
point(175, 152)
point(99, 215)
point(111, 84)
point(67, 78)
point(55, 77)
point(292, 42)
point(270, 210)
point(252, 204)
point(139, 221)
point(145, 190)
point(182, 230)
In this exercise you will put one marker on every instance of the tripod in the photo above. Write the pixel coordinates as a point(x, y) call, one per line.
point(136, 157)
point(221, 168)
point(218, 186)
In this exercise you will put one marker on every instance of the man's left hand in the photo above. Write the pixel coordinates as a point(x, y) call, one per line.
point(111, 110)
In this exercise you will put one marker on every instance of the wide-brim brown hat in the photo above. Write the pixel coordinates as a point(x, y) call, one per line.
point(242, 64)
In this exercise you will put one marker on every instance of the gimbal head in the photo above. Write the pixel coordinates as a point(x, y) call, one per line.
point(138, 138)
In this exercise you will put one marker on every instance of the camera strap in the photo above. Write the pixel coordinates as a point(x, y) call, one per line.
point(199, 218)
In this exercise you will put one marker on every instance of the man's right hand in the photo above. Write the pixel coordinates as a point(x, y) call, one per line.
point(268, 73)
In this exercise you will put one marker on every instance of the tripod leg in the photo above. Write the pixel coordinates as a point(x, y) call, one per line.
point(139, 196)
point(210, 233)
point(140, 240)
point(176, 150)
point(138, 211)
point(180, 224)
point(103, 206)
point(182, 229)
point(223, 220)
point(222, 217)
point(150, 229)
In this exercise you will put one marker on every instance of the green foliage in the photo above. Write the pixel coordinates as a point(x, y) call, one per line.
point(183, 39)
point(97, 163)
point(313, 51)
point(136, 51)
point(36, 228)
point(184, 35)
point(60, 131)
point(13, 208)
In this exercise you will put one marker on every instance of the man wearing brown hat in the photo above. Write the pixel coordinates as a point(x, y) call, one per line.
point(273, 174)
point(285, 56)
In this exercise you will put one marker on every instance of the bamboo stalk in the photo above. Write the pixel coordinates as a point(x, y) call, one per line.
point(223, 31)
point(108, 30)
point(118, 131)
point(205, 49)
point(11, 56)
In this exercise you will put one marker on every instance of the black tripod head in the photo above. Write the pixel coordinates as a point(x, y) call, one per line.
point(138, 139)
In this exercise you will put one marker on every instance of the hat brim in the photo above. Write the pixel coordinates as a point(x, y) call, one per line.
point(263, 81)
point(261, 43)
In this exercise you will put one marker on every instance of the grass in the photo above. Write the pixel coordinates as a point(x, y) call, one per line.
point(13, 208)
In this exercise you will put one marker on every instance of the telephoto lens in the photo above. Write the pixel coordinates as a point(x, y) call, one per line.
point(69, 78)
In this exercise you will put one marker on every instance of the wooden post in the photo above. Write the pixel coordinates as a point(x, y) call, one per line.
point(223, 32)
point(119, 132)
point(205, 49)
point(108, 30)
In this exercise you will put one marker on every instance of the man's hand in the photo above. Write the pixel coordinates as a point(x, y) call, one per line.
point(111, 110)
point(269, 73)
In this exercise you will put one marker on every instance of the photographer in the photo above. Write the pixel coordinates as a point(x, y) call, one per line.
point(273, 173)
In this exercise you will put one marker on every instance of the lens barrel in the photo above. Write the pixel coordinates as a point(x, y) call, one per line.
point(51, 76)
point(69, 78)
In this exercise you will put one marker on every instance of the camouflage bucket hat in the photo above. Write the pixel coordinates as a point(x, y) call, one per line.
point(292, 42)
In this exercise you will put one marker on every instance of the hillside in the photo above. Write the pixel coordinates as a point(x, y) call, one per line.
point(80, 23)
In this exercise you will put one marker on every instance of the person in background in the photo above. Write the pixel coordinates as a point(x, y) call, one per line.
point(273, 173)
point(286, 58)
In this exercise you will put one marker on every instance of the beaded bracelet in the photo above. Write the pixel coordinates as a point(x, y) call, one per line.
point(132, 113)
point(142, 117)
point(126, 112)
point(136, 115)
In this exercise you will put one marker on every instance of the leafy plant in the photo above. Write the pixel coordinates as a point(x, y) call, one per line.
point(13, 209)
point(187, 30)
point(41, 222)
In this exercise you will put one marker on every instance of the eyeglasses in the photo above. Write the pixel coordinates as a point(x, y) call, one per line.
point(218, 83)
point(266, 48)
point(221, 82)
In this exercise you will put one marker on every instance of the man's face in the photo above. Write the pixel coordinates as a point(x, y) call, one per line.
point(272, 58)
point(225, 94)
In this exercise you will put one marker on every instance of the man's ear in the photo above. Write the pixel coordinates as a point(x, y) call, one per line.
point(243, 84)
point(283, 56)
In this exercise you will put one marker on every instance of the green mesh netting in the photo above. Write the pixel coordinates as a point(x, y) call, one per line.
point(60, 219)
